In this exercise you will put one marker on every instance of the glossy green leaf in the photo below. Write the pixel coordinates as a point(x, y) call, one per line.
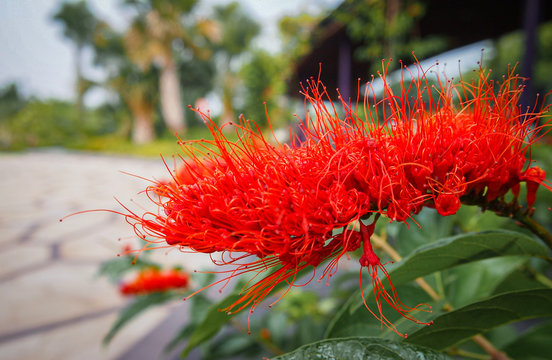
point(461, 324)
point(365, 348)
point(135, 307)
point(440, 255)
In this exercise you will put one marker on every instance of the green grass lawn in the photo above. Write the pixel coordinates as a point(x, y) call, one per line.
point(166, 145)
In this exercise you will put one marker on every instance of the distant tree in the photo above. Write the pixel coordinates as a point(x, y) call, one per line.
point(11, 101)
point(508, 52)
point(151, 40)
point(136, 86)
point(237, 31)
point(296, 33)
point(387, 29)
point(263, 85)
point(79, 24)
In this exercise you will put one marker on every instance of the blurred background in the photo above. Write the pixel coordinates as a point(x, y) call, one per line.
point(117, 76)
point(109, 74)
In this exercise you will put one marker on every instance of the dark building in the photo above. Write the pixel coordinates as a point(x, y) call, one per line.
point(458, 22)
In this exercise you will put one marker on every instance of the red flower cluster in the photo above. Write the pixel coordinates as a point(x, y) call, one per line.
point(293, 207)
point(153, 280)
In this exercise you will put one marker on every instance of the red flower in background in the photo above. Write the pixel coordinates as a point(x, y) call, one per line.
point(292, 207)
point(153, 280)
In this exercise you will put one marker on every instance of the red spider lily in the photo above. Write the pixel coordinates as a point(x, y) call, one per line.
point(291, 207)
point(153, 280)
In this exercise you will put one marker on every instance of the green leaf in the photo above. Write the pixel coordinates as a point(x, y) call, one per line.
point(211, 324)
point(461, 324)
point(441, 255)
point(138, 305)
point(362, 322)
point(474, 281)
point(534, 344)
point(365, 348)
point(115, 269)
point(432, 228)
point(465, 248)
point(232, 344)
point(199, 305)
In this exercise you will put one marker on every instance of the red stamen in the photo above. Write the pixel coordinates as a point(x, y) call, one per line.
point(370, 260)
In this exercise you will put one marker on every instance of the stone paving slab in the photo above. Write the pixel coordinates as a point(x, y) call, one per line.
point(53, 304)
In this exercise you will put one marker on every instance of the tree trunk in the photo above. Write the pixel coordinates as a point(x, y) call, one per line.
point(142, 129)
point(78, 81)
point(227, 92)
point(171, 105)
point(391, 11)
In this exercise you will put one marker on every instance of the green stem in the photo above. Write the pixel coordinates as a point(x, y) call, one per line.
point(514, 211)
point(534, 226)
point(468, 354)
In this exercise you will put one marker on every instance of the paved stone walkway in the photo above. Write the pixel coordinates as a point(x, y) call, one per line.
point(53, 304)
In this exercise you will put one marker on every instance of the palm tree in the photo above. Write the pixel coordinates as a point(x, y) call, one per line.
point(136, 86)
point(79, 24)
point(150, 40)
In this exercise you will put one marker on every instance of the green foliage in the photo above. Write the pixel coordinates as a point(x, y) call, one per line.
point(51, 123)
point(509, 50)
point(196, 77)
point(263, 87)
point(479, 317)
point(296, 32)
point(385, 30)
point(137, 306)
point(78, 21)
point(362, 348)
point(11, 101)
point(211, 324)
point(238, 29)
point(441, 255)
point(115, 269)
point(533, 344)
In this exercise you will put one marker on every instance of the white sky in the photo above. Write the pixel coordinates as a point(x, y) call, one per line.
point(34, 53)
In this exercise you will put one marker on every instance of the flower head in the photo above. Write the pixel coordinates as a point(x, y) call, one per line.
point(273, 210)
point(153, 280)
